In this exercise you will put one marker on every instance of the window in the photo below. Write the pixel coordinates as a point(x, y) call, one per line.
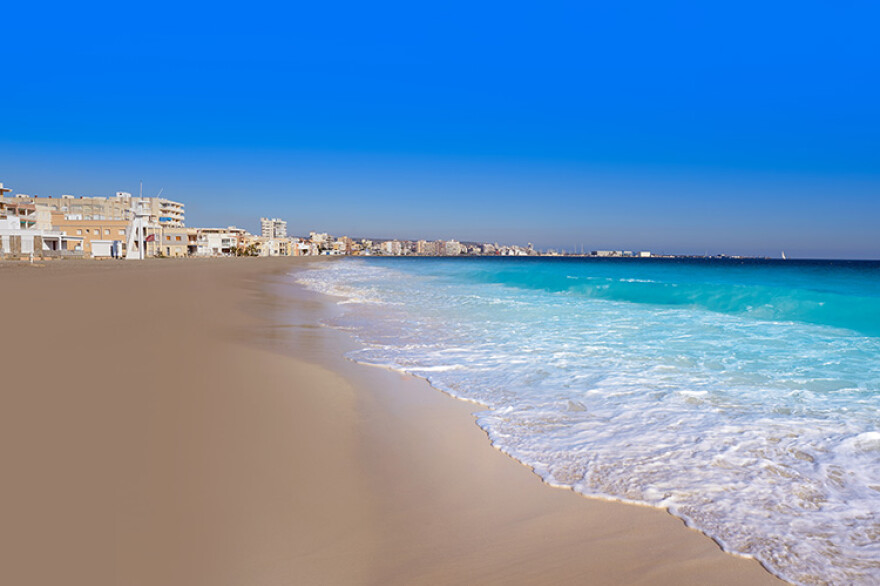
point(122, 232)
point(79, 231)
point(177, 238)
point(107, 232)
point(168, 238)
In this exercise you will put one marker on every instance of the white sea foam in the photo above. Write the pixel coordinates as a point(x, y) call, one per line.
point(761, 434)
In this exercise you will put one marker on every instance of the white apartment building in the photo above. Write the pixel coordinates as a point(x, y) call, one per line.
point(218, 241)
point(452, 248)
point(273, 228)
point(392, 248)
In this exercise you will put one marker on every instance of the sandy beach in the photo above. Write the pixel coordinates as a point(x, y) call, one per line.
point(189, 422)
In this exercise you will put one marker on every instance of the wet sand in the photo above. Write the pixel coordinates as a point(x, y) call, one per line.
point(188, 422)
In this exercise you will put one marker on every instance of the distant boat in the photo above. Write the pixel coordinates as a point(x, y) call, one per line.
point(783, 255)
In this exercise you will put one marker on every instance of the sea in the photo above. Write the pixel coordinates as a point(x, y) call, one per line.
point(742, 396)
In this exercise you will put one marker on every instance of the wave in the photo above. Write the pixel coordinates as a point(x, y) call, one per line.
point(757, 429)
point(844, 299)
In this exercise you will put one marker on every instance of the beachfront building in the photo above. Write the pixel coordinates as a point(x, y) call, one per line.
point(220, 241)
point(452, 248)
point(309, 248)
point(515, 250)
point(271, 246)
point(273, 228)
point(22, 214)
point(171, 214)
point(163, 211)
point(320, 239)
point(99, 223)
point(172, 242)
point(216, 242)
point(20, 237)
point(99, 235)
point(334, 249)
point(343, 246)
point(96, 236)
point(391, 248)
point(425, 248)
point(192, 241)
point(353, 247)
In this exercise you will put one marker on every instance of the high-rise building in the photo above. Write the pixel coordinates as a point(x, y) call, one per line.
point(452, 248)
point(273, 228)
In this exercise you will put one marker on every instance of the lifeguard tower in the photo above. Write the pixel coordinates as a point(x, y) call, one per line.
point(136, 233)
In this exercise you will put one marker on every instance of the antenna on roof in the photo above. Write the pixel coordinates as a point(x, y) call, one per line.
point(160, 192)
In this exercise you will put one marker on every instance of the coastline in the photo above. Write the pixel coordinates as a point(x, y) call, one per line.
point(236, 444)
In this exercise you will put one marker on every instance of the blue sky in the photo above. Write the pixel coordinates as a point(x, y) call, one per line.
point(745, 128)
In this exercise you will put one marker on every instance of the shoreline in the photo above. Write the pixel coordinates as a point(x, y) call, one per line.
point(411, 383)
point(597, 497)
point(201, 427)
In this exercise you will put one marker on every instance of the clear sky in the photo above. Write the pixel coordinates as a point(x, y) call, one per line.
point(738, 127)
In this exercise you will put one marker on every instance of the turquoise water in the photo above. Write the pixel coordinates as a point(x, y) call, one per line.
point(743, 396)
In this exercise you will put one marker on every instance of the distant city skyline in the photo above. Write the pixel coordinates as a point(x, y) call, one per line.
point(684, 129)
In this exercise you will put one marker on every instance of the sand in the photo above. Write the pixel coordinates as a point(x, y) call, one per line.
point(188, 422)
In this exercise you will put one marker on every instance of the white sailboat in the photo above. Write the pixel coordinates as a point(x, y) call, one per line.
point(783, 255)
